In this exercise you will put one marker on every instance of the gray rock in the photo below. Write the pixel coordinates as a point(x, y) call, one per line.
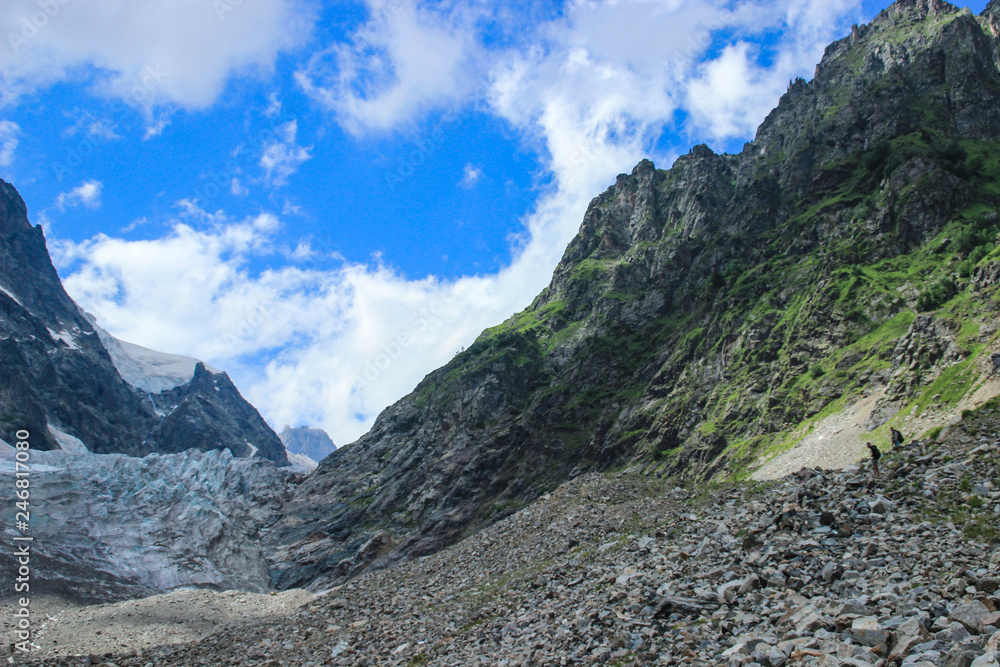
point(909, 634)
point(867, 631)
point(954, 633)
point(970, 614)
point(991, 659)
point(854, 606)
point(882, 506)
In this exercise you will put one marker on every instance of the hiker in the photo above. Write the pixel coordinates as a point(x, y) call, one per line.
point(876, 455)
point(897, 437)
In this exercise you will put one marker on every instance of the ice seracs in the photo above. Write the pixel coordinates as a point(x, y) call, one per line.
point(125, 526)
point(301, 462)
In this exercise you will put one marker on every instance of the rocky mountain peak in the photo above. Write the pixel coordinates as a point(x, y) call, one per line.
point(62, 384)
point(308, 441)
point(13, 211)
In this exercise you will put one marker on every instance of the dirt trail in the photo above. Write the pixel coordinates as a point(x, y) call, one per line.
point(839, 440)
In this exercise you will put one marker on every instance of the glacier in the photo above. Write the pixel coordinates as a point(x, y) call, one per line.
point(112, 526)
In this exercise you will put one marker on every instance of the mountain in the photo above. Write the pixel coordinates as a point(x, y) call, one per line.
point(305, 441)
point(70, 384)
point(708, 316)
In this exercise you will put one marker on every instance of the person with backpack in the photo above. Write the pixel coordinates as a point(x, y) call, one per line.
point(876, 455)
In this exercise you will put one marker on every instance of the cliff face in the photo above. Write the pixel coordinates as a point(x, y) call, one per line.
point(706, 312)
point(59, 382)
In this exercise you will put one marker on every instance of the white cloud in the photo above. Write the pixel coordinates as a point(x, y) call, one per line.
point(87, 194)
point(731, 94)
point(155, 127)
point(9, 132)
point(404, 61)
point(155, 52)
point(470, 176)
point(87, 124)
point(283, 157)
point(273, 109)
point(236, 188)
point(342, 343)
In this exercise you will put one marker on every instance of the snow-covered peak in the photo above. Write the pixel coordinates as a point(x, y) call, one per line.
point(147, 369)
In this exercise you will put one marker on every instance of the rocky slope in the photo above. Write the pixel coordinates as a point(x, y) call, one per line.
point(708, 316)
point(820, 568)
point(71, 384)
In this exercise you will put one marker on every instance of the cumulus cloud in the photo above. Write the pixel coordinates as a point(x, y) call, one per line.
point(87, 194)
point(342, 343)
point(404, 61)
point(730, 94)
point(283, 157)
point(9, 132)
point(175, 52)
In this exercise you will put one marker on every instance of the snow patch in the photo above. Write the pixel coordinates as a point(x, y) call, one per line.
point(253, 450)
point(11, 295)
point(67, 442)
point(301, 462)
point(149, 370)
point(65, 337)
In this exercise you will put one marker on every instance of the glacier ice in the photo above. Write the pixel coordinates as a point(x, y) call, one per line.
point(159, 522)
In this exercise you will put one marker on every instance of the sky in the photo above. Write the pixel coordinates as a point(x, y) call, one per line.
point(330, 199)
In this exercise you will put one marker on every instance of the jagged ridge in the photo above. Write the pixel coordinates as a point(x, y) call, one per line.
point(56, 371)
point(704, 313)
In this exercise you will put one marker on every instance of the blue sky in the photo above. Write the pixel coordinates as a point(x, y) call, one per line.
point(330, 199)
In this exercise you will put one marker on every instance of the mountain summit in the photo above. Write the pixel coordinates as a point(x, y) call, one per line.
point(711, 315)
point(74, 386)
